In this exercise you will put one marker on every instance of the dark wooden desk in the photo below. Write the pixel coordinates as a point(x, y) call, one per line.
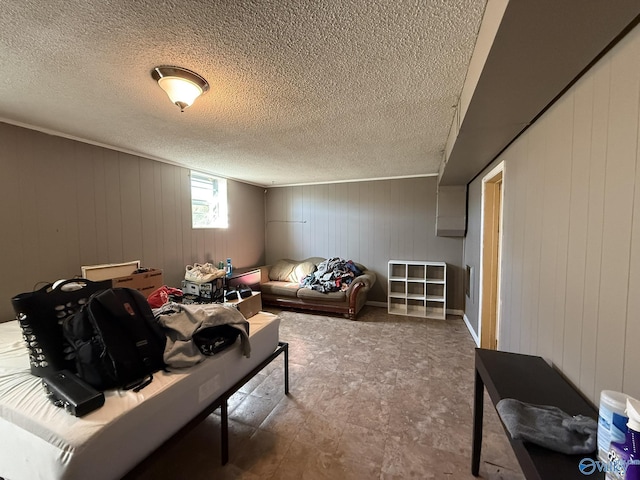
point(528, 379)
point(248, 276)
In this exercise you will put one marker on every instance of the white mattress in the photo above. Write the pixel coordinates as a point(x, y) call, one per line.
point(41, 441)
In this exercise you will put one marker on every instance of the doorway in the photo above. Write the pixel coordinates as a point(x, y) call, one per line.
point(492, 199)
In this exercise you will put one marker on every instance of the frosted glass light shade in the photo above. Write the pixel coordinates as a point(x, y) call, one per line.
point(181, 92)
point(182, 86)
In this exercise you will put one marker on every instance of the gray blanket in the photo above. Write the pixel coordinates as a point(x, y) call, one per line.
point(182, 322)
point(548, 426)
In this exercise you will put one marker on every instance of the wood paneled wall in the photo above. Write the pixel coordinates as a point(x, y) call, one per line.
point(65, 204)
point(369, 222)
point(571, 251)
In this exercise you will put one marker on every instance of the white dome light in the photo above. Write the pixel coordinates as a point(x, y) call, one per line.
point(181, 85)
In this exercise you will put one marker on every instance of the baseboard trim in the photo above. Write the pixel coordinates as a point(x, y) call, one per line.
point(377, 304)
point(450, 311)
point(473, 334)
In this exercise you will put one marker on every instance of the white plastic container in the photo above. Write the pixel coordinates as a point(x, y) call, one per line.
point(624, 458)
point(612, 421)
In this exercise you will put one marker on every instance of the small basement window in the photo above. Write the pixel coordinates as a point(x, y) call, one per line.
point(208, 201)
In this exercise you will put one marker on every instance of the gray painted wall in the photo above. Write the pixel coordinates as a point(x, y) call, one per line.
point(368, 222)
point(472, 253)
point(66, 204)
point(571, 251)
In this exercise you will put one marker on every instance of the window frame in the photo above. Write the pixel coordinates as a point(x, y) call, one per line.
point(208, 194)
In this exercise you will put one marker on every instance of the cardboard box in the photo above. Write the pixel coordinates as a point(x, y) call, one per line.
point(122, 276)
point(248, 306)
point(212, 291)
point(190, 288)
point(145, 282)
point(107, 271)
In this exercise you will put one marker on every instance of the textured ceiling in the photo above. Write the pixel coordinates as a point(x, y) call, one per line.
point(301, 91)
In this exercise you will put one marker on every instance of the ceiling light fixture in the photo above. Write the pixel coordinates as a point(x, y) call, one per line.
point(181, 85)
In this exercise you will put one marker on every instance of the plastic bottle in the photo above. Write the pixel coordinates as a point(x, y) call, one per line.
point(229, 268)
point(625, 457)
point(612, 421)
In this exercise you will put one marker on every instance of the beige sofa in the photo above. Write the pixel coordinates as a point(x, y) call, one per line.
point(280, 286)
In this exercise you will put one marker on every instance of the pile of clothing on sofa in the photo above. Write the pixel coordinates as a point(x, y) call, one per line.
point(331, 275)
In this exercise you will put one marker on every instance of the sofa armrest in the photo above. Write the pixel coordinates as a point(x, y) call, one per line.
point(264, 273)
point(368, 279)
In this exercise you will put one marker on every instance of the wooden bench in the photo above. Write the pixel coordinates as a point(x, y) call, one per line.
point(529, 379)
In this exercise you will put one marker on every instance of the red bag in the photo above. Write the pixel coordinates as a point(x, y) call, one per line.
point(161, 296)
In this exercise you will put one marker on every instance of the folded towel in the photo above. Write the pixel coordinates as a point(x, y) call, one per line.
point(548, 426)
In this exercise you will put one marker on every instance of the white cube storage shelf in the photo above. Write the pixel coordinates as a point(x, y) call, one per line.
point(417, 289)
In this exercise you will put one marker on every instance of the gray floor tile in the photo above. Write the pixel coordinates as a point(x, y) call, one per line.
point(384, 397)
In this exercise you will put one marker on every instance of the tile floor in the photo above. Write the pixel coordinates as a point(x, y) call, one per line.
point(384, 397)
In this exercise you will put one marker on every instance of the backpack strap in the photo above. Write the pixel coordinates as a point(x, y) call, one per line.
point(139, 384)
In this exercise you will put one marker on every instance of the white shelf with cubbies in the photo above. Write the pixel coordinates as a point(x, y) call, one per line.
point(417, 289)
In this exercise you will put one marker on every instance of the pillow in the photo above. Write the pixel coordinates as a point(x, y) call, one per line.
point(302, 270)
point(282, 269)
point(290, 270)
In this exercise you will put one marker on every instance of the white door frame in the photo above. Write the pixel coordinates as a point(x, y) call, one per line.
point(497, 170)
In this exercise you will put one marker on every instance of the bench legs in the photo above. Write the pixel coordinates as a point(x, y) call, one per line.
point(224, 431)
point(283, 347)
point(478, 405)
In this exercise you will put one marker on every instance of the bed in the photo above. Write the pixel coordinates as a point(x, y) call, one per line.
point(41, 441)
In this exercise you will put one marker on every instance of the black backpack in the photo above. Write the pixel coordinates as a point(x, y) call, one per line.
point(116, 339)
